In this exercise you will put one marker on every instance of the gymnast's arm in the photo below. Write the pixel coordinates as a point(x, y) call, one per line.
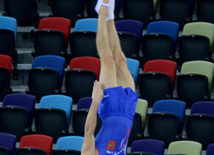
point(88, 147)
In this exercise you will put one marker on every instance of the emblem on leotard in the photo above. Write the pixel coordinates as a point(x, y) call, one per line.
point(111, 145)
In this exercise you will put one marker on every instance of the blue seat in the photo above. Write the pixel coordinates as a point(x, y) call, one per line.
point(171, 106)
point(70, 142)
point(131, 26)
point(23, 100)
point(53, 62)
point(203, 107)
point(165, 27)
point(58, 101)
point(84, 103)
point(210, 149)
point(9, 141)
point(87, 24)
point(133, 66)
point(9, 23)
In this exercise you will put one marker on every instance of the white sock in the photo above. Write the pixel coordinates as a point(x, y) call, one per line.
point(110, 5)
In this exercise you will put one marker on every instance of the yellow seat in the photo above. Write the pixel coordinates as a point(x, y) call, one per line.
point(141, 108)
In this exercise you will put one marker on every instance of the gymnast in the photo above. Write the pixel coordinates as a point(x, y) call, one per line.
point(113, 97)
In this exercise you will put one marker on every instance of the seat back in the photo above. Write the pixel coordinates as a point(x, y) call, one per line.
point(58, 101)
point(204, 11)
point(200, 28)
point(149, 146)
point(6, 62)
point(141, 108)
point(185, 147)
point(5, 82)
point(87, 24)
point(23, 100)
point(4, 150)
point(14, 120)
point(203, 107)
point(88, 63)
point(53, 62)
point(66, 152)
point(210, 149)
point(30, 150)
point(84, 103)
point(199, 67)
point(53, 24)
point(162, 66)
point(8, 141)
point(83, 43)
point(70, 142)
point(37, 141)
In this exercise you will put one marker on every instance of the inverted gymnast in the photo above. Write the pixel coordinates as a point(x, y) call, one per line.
point(113, 97)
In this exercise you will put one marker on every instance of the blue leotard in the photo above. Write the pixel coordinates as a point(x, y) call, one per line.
point(116, 110)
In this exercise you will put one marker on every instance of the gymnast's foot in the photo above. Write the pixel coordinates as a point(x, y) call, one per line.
point(106, 3)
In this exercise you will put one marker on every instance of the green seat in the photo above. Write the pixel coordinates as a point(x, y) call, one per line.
point(185, 147)
point(141, 108)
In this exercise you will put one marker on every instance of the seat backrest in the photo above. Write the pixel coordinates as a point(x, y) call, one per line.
point(89, 63)
point(131, 26)
point(9, 141)
point(58, 101)
point(30, 150)
point(199, 67)
point(204, 11)
point(38, 141)
point(200, 28)
point(148, 145)
point(5, 82)
point(165, 27)
point(133, 66)
point(171, 106)
point(84, 103)
point(6, 62)
point(203, 107)
point(23, 100)
point(141, 108)
point(87, 24)
point(210, 149)
point(70, 142)
point(162, 66)
point(57, 23)
point(51, 61)
point(9, 23)
point(185, 147)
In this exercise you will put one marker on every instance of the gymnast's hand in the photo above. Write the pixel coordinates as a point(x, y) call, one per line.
point(97, 93)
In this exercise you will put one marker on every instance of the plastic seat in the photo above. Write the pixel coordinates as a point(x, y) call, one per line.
point(168, 117)
point(210, 149)
point(87, 24)
point(70, 142)
point(141, 108)
point(49, 32)
point(6, 62)
point(71, 9)
point(37, 141)
point(5, 82)
point(79, 83)
point(204, 11)
point(66, 152)
point(192, 88)
point(43, 81)
point(149, 146)
point(133, 66)
point(165, 27)
point(23, 100)
point(128, 43)
point(14, 120)
point(194, 47)
point(200, 123)
point(157, 46)
point(84, 103)
point(83, 43)
point(199, 67)
point(154, 86)
point(200, 28)
point(131, 26)
point(176, 11)
point(88, 63)
point(142, 11)
point(162, 66)
point(51, 61)
point(8, 141)
point(4, 150)
point(185, 147)
point(30, 150)
point(79, 119)
point(25, 12)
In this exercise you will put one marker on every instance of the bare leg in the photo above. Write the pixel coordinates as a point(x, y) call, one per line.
point(108, 76)
point(124, 77)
